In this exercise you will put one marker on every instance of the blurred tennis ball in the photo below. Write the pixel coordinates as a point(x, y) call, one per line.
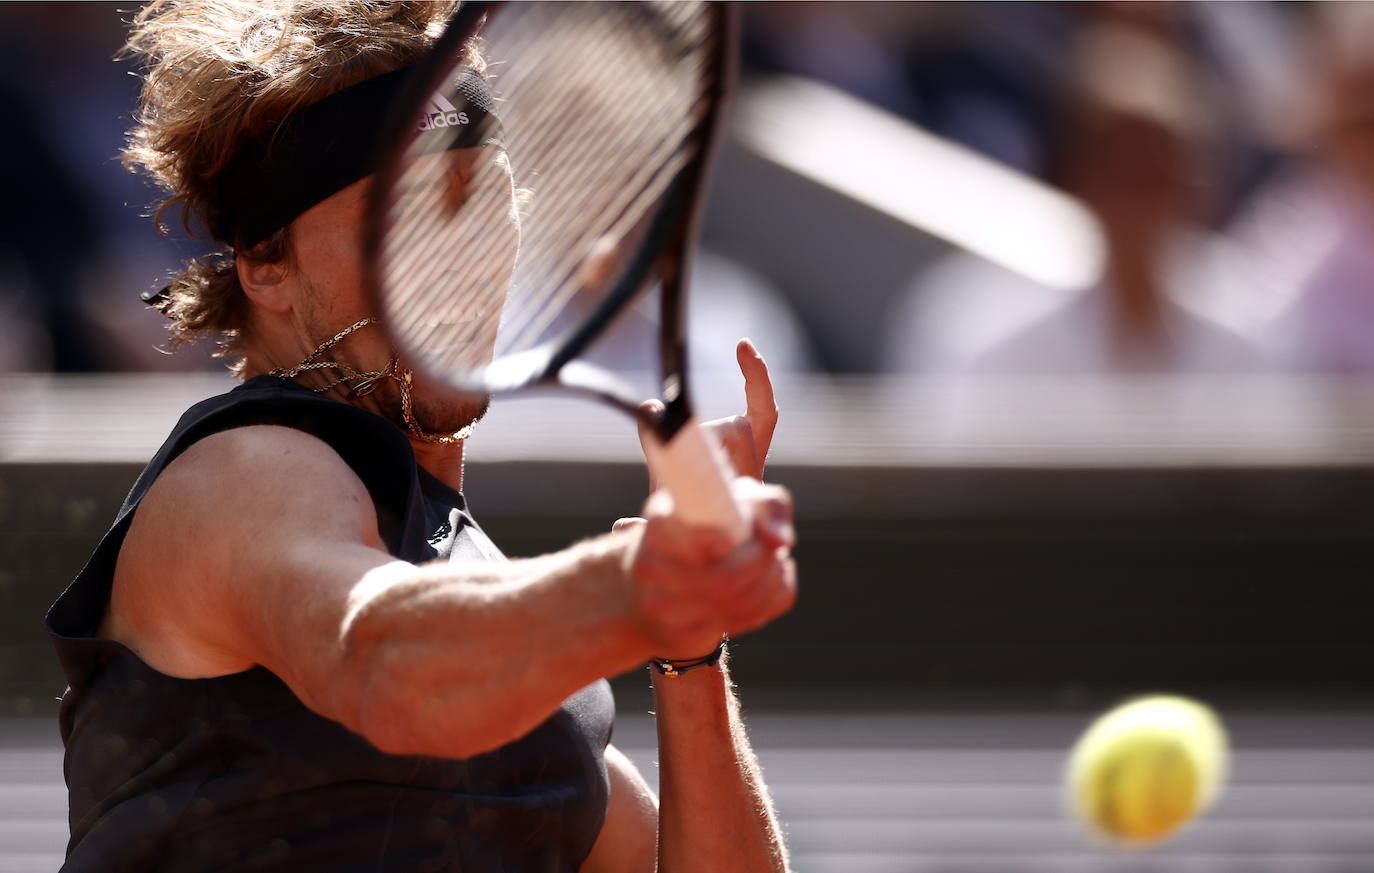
point(1146, 768)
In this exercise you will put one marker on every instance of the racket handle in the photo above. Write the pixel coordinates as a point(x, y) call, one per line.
point(692, 466)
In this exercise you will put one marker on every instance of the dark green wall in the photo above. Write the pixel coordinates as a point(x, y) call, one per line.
point(989, 578)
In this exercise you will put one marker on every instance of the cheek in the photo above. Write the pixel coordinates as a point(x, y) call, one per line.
point(329, 256)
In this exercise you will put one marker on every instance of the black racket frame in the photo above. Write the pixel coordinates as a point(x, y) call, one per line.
point(664, 250)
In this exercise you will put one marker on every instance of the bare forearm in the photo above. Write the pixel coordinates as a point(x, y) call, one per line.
point(715, 811)
point(457, 659)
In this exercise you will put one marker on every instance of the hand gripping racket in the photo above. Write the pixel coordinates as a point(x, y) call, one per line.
point(501, 244)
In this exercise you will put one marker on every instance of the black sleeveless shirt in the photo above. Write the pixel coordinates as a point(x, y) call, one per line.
point(235, 773)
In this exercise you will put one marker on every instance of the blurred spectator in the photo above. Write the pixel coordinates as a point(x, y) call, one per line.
point(1313, 227)
point(860, 48)
point(983, 77)
point(973, 73)
point(46, 235)
point(1132, 143)
point(75, 257)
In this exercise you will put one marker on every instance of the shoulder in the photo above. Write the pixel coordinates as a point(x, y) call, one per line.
point(247, 464)
point(261, 485)
point(230, 517)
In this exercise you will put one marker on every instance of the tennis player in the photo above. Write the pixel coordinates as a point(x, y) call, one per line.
point(295, 650)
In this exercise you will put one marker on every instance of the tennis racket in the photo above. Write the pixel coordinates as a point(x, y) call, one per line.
point(498, 251)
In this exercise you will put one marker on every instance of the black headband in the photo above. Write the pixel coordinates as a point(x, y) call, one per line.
point(326, 147)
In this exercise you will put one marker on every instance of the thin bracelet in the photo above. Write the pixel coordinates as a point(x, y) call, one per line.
point(668, 667)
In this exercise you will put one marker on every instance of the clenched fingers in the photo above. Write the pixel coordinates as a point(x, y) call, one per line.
point(769, 507)
point(688, 607)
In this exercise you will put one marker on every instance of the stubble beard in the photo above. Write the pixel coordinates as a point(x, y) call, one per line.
point(447, 414)
point(436, 410)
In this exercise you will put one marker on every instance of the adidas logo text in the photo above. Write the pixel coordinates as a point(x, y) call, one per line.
point(443, 119)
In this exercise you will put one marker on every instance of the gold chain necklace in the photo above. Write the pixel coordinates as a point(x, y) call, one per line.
point(366, 383)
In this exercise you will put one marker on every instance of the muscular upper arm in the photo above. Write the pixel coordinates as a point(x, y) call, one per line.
point(243, 552)
point(628, 842)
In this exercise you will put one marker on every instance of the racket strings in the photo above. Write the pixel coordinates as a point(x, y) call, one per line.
point(642, 121)
point(610, 191)
point(563, 257)
point(602, 106)
point(562, 291)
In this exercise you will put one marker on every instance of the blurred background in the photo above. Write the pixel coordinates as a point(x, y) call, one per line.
point(1071, 311)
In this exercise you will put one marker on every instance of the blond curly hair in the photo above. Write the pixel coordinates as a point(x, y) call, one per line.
point(218, 73)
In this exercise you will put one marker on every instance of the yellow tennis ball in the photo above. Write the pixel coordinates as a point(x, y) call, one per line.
point(1146, 768)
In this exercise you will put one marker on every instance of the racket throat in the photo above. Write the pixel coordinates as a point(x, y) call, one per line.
point(677, 412)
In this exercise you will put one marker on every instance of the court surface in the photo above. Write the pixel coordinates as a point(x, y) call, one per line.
point(941, 791)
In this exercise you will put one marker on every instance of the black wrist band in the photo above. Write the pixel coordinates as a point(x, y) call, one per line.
point(669, 667)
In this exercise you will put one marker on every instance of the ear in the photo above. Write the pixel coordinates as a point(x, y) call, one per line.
point(266, 284)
